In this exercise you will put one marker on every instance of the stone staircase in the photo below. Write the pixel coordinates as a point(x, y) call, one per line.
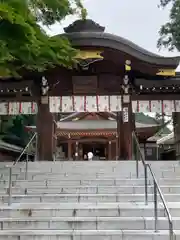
point(87, 200)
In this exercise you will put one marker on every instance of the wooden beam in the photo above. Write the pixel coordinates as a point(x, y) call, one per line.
point(160, 96)
point(16, 98)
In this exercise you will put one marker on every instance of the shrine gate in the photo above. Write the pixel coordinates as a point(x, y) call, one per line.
point(111, 74)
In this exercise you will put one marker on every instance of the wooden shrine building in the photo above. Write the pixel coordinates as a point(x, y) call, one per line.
point(112, 74)
point(97, 132)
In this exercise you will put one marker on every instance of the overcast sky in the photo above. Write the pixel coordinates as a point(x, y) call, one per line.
point(138, 21)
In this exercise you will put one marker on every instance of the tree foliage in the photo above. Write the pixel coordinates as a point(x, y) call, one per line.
point(13, 129)
point(24, 44)
point(170, 31)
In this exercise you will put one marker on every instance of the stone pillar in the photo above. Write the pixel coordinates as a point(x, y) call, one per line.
point(45, 131)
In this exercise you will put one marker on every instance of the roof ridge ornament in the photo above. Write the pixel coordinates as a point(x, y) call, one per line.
point(86, 25)
point(166, 72)
point(85, 58)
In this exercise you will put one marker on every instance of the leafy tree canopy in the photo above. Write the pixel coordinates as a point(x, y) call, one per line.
point(170, 31)
point(13, 129)
point(24, 44)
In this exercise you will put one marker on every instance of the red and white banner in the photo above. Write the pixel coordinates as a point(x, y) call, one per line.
point(109, 104)
point(16, 108)
point(89, 104)
point(159, 106)
point(85, 104)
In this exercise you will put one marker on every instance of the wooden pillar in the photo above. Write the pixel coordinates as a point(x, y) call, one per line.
point(119, 135)
point(127, 131)
point(117, 149)
point(45, 132)
point(145, 150)
point(127, 115)
point(176, 125)
point(54, 133)
point(109, 151)
point(105, 151)
point(77, 151)
point(69, 149)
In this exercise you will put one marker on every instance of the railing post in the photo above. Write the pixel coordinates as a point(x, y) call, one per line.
point(36, 151)
point(10, 186)
point(54, 158)
point(135, 153)
point(171, 233)
point(137, 168)
point(146, 184)
point(27, 160)
point(155, 207)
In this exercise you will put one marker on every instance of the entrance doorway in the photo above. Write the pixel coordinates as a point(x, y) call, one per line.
point(98, 150)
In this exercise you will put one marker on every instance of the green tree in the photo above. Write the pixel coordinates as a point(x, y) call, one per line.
point(24, 45)
point(13, 129)
point(170, 31)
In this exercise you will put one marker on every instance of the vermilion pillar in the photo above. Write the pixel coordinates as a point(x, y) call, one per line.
point(45, 132)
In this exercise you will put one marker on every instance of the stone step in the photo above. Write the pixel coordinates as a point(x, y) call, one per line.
point(113, 208)
point(89, 181)
point(92, 198)
point(74, 182)
point(91, 189)
point(84, 210)
point(86, 234)
point(63, 171)
point(52, 176)
point(96, 163)
point(57, 177)
point(78, 177)
point(75, 198)
point(61, 176)
point(95, 184)
point(111, 181)
point(87, 223)
point(88, 170)
point(85, 189)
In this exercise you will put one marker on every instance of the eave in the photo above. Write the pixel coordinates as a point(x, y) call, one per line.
point(106, 40)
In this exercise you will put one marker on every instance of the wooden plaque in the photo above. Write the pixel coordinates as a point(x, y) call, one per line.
point(84, 84)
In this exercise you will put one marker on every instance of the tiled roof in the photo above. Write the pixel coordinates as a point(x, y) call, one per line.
point(95, 124)
point(139, 117)
point(10, 147)
point(142, 118)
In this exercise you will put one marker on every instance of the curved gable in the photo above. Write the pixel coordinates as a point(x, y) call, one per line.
point(106, 40)
point(87, 33)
